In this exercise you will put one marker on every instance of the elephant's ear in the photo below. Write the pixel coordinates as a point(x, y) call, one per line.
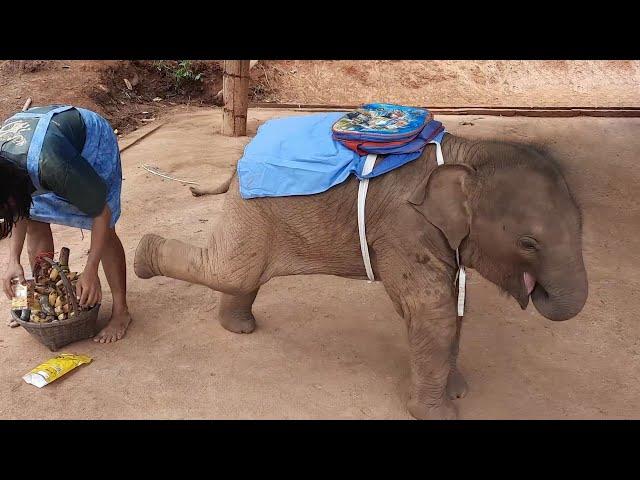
point(442, 200)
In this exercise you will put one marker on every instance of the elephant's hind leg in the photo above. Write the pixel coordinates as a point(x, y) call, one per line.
point(143, 264)
point(234, 312)
point(236, 274)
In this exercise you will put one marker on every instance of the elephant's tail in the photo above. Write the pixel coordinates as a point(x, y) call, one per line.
point(215, 189)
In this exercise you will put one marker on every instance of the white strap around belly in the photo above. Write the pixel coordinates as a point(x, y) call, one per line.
point(461, 276)
point(362, 197)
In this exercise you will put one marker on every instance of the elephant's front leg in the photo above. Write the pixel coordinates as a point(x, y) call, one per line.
point(456, 384)
point(234, 312)
point(430, 342)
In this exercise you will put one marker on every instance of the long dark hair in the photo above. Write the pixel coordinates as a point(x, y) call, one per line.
point(15, 195)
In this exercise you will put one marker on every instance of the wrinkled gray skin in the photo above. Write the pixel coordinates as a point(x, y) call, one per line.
point(506, 207)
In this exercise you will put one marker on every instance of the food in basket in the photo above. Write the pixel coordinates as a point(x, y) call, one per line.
point(46, 298)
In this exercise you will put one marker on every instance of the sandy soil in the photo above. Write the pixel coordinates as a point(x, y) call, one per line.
point(327, 347)
point(448, 83)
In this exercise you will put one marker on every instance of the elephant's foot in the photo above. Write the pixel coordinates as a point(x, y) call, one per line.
point(445, 411)
point(145, 253)
point(238, 322)
point(235, 314)
point(456, 385)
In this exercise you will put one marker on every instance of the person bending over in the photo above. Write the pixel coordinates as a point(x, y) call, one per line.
point(61, 164)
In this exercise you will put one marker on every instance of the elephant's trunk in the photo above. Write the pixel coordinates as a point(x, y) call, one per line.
point(562, 296)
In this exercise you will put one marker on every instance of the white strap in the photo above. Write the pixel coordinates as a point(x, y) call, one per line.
point(461, 276)
point(362, 197)
point(439, 157)
point(462, 283)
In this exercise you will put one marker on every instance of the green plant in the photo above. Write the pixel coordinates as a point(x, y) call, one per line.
point(182, 71)
point(185, 72)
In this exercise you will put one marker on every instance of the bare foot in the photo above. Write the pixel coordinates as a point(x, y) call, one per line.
point(12, 323)
point(115, 329)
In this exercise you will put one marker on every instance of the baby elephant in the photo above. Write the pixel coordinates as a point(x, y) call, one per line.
point(507, 208)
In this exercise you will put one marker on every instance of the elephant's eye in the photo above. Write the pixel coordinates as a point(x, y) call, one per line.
point(528, 243)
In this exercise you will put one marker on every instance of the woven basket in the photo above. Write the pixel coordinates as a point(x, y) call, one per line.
point(55, 335)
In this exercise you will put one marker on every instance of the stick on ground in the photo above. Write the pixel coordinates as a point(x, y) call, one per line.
point(155, 172)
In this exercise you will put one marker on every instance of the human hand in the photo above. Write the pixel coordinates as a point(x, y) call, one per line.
point(14, 270)
point(88, 289)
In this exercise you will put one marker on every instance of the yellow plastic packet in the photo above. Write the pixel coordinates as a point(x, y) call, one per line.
point(52, 369)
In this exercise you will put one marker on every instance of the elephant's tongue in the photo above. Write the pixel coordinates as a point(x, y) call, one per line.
point(529, 282)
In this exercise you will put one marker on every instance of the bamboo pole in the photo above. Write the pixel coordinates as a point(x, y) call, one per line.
point(235, 87)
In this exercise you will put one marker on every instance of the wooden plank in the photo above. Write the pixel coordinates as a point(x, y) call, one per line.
point(463, 107)
point(137, 135)
point(483, 110)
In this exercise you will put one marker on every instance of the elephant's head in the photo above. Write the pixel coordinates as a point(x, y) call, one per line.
point(515, 221)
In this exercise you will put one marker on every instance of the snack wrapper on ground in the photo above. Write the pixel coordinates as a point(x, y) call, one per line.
point(52, 369)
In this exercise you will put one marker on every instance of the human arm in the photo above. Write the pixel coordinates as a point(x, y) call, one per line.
point(88, 288)
point(14, 268)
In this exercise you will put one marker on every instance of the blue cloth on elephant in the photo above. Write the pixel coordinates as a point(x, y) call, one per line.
point(101, 153)
point(294, 156)
point(299, 156)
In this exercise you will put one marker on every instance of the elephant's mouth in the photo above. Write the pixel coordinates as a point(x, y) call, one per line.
point(528, 285)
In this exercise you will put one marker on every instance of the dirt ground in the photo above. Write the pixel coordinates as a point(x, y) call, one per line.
point(449, 83)
point(100, 85)
point(328, 347)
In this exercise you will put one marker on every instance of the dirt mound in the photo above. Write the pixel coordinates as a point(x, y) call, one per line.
point(101, 86)
point(19, 66)
point(46, 82)
point(133, 92)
